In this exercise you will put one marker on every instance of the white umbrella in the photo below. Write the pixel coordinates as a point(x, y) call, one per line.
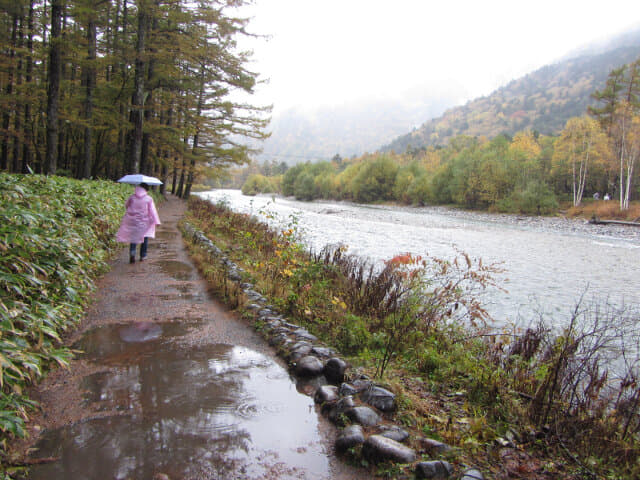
point(138, 178)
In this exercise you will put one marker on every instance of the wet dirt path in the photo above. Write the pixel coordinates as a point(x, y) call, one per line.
point(172, 386)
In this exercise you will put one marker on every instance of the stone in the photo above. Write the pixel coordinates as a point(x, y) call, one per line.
point(254, 296)
point(305, 335)
point(395, 433)
point(271, 323)
point(282, 329)
point(334, 370)
point(322, 352)
point(361, 384)
point(347, 389)
point(278, 339)
point(309, 366)
point(301, 344)
point(434, 469)
point(299, 350)
point(363, 415)
point(326, 394)
point(310, 385)
point(471, 474)
point(341, 406)
point(434, 446)
point(254, 307)
point(349, 437)
point(380, 449)
point(379, 397)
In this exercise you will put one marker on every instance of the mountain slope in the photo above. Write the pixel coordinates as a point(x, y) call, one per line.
point(542, 101)
point(351, 129)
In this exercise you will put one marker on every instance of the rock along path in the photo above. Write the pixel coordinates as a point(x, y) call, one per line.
point(169, 385)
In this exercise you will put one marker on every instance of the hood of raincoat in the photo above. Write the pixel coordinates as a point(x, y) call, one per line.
point(139, 192)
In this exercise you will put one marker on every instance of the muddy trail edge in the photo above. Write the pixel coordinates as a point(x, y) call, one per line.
point(170, 385)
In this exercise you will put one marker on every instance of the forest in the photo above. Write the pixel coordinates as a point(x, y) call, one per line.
point(98, 89)
point(594, 155)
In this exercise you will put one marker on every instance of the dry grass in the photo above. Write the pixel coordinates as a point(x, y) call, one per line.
point(609, 210)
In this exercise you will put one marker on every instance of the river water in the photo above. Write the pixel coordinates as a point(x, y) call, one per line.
point(549, 263)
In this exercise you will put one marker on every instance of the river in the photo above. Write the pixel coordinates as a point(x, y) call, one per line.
point(549, 263)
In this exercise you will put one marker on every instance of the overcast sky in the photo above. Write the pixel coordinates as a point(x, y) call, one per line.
point(328, 52)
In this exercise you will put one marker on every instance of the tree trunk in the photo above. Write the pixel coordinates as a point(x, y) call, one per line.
point(90, 82)
point(175, 176)
point(28, 124)
point(53, 90)
point(196, 136)
point(6, 115)
point(17, 125)
point(137, 106)
point(148, 112)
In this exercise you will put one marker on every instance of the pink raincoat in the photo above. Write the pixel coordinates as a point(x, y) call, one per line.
point(140, 220)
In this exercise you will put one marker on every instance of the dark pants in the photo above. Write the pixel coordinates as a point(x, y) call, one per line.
point(143, 248)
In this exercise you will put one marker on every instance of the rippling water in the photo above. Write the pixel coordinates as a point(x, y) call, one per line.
point(549, 263)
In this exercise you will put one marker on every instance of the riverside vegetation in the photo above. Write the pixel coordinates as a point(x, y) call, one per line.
point(536, 403)
point(56, 235)
point(525, 172)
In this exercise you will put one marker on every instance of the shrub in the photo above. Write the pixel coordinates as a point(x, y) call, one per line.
point(375, 180)
point(535, 199)
point(258, 184)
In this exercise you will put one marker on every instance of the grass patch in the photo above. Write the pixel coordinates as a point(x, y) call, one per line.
point(55, 237)
point(606, 210)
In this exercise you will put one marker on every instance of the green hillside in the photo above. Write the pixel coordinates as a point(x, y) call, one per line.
point(542, 101)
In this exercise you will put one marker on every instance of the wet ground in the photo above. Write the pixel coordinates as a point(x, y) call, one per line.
point(170, 385)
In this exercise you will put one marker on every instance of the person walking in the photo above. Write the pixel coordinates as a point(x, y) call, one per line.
point(139, 222)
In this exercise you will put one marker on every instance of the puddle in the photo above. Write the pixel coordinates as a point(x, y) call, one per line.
point(110, 341)
point(176, 269)
point(166, 234)
point(180, 296)
point(206, 413)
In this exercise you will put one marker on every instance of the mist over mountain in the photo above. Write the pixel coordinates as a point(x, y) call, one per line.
point(630, 38)
point(542, 101)
point(353, 128)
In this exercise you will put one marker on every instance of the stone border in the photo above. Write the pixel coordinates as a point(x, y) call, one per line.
point(361, 408)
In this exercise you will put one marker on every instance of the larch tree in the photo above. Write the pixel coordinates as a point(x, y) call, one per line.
point(53, 85)
point(98, 88)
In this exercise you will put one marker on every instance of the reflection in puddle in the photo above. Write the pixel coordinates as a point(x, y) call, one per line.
point(140, 332)
point(209, 412)
point(133, 338)
point(176, 269)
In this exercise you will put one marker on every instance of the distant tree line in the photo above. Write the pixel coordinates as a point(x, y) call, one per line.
point(100, 88)
point(526, 173)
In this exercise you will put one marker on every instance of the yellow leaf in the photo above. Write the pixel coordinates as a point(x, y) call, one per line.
point(438, 418)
